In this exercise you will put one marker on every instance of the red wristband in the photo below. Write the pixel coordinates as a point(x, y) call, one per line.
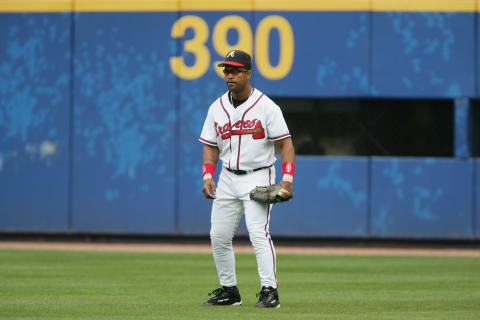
point(208, 168)
point(288, 168)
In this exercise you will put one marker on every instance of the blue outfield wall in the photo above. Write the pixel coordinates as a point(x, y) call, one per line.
point(330, 199)
point(340, 68)
point(418, 198)
point(125, 125)
point(423, 54)
point(34, 121)
point(100, 114)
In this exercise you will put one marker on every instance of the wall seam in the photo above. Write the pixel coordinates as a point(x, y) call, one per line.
point(71, 117)
point(177, 167)
point(472, 112)
point(252, 17)
point(474, 200)
point(370, 94)
point(369, 198)
point(370, 49)
point(476, 71)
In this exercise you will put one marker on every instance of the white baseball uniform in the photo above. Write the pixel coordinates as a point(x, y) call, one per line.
point(245, 137)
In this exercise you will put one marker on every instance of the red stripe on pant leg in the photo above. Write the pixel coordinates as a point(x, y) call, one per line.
point(274, 262)
point(270, 176)
point(268, 207)
point(271, 245)
point(266, 232)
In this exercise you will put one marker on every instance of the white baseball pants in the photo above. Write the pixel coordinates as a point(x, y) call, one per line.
point(232, 200)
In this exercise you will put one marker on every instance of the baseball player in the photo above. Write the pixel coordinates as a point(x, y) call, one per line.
point(242, 128)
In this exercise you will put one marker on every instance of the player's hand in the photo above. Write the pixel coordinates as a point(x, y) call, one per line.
point(209, 189)
point(287, 185)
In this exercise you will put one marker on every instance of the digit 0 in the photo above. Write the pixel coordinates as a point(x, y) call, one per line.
point(220, 42)
point(195, 46)
point(262, 39)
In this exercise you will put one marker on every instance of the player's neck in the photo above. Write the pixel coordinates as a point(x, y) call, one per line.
point(242, 95)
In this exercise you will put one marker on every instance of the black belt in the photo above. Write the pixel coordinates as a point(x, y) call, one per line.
point(241, 172)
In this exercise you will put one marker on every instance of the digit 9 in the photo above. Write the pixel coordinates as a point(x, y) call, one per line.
point(219, 37)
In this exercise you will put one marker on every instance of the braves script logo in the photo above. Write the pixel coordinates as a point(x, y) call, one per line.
point(253, 127)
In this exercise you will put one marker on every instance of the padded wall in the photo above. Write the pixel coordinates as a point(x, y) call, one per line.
point(34, 121)
point(114, 147)
point(422, 198)
point(420, 54)
point(330, 199)
point(125, 123)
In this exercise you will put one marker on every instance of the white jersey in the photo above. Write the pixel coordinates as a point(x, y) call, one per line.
point(245, 135)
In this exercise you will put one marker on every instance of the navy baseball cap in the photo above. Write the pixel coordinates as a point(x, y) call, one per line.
point(237, 58)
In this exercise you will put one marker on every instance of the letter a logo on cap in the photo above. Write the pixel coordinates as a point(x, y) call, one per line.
point(231, 54)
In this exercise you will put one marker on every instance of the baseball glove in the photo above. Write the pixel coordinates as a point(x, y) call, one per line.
point(272, 194)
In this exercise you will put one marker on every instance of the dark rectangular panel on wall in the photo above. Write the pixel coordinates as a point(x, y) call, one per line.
point(125, 115)
point(423, 54)
point(330, 199)
point(422, 198)
point(476, 217)
point(320, 53)
point(34, 121)
point(201, 83)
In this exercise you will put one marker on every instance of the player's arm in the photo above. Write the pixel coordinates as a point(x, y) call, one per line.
point(287, 153)
point(210, 158)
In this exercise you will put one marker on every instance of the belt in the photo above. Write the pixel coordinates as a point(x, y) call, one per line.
point(242, 172)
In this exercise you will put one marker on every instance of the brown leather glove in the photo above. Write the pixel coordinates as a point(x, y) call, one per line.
point(271, 194)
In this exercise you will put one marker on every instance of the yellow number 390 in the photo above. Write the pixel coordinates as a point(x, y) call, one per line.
point(197, 45)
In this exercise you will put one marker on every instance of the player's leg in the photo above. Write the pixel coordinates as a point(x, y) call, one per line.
point(257, 218)
point(226, 214)
point(225, 217)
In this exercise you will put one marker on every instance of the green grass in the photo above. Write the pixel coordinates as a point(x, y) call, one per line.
point(112, 285)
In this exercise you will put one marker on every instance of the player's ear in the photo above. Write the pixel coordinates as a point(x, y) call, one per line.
point(249, 74)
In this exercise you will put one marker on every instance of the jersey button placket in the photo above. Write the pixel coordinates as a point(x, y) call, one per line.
point(235, 141)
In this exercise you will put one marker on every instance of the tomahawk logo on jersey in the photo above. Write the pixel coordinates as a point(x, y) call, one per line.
point(245, 135)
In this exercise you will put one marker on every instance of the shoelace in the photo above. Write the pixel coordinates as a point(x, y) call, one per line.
point(216, 292)
point(263, 294)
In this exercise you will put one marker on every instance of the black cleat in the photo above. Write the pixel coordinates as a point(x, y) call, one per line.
point(224, 296)
point(268, 298)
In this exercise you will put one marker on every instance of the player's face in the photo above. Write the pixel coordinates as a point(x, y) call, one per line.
point(236, 78)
